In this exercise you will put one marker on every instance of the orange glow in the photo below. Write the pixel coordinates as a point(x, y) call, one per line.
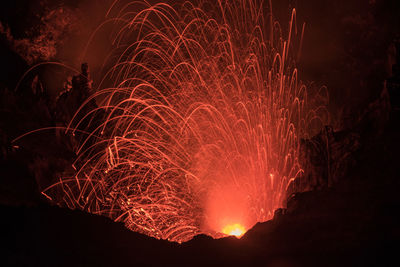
point(199, 120)
point(234, 229)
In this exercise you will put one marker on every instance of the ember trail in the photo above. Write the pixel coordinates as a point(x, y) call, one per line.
point(200, 129)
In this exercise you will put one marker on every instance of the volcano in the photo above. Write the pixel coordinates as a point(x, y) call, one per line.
point(239, 133)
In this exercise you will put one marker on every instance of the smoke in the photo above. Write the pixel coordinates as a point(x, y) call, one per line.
point(47, 31)
point(43, 40)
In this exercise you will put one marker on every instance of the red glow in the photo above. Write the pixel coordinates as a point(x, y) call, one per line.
point(202, 125)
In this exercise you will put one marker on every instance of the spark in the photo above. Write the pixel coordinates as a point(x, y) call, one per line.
point(202, 122)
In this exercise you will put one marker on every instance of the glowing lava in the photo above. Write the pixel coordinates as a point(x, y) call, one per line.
point(234, 229)
point(199, 118)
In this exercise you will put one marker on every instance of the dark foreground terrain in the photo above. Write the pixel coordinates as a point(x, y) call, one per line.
point(353, 223)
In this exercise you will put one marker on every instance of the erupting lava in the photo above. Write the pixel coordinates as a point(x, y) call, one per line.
point(198, 121)
point(234, 229)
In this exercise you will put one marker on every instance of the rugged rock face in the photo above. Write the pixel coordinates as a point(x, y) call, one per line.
point(325, 158)
point(328, 156)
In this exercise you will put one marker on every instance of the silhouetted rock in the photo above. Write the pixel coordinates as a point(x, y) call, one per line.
point(325, 159)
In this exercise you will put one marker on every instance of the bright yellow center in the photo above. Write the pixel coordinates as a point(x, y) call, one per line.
point(234, 229)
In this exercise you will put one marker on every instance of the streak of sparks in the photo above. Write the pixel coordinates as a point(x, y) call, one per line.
point(201, 125)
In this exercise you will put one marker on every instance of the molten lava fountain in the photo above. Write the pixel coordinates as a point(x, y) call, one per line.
point(199, 130)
